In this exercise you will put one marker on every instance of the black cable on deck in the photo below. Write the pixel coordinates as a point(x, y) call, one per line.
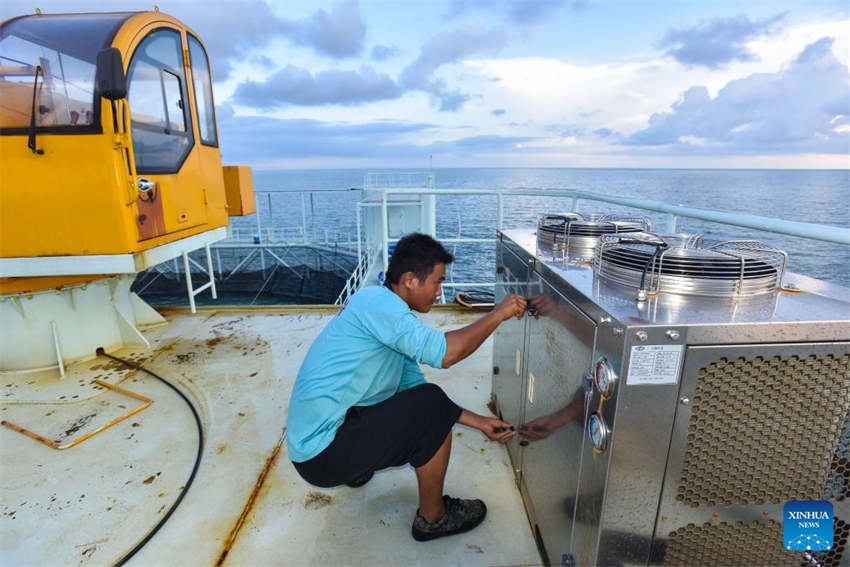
point(152, 532)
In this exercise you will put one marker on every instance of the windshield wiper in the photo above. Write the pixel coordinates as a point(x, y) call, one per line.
point(31, 140)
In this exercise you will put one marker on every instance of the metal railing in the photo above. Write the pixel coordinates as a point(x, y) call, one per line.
point(289, 234)
point(826, 233)
point(356, 278)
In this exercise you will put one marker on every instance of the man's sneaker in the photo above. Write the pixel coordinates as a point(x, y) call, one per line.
point(357, 482)
point(461, 516)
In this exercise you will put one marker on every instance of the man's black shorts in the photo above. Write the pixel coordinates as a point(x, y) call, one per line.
point(409, 427)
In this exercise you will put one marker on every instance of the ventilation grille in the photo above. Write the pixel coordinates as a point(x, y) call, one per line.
point(756, 543)
point(838, 483)
point(768, 431)
point(832, 557)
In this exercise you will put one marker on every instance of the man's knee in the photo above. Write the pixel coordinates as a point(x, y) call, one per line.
point(431, 394)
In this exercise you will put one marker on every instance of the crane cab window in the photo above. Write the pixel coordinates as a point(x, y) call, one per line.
point(203, 92)
point(51, 58)
point(156, 82)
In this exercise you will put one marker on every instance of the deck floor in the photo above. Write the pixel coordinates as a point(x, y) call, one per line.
point(92, 503)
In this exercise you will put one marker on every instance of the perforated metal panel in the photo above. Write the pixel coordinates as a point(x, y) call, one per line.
point(838, 482)
point(751, 436)
point(832, 557)
point(747, 545)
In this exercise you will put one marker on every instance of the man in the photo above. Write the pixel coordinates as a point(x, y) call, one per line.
point(360, 402)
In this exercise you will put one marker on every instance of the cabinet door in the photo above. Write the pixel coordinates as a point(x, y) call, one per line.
point(559, 354)
point(509, 346)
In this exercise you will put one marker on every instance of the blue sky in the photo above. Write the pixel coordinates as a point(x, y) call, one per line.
point(545, 83)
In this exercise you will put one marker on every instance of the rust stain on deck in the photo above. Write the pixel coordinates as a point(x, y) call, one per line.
point(251, 501)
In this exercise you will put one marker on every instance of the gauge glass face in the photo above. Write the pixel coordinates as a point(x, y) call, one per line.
point(597, 432)
point(604, 374)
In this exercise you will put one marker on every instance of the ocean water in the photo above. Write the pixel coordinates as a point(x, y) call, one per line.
point(817, 196)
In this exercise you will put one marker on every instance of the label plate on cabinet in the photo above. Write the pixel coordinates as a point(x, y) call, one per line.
point(654, 364)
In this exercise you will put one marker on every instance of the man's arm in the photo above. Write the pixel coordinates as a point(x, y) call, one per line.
point(495, 429)
point(463, 342)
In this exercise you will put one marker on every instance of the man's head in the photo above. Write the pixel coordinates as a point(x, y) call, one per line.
point(417, 270)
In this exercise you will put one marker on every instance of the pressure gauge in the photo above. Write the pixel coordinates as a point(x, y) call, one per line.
point(606, 378)
point(598, 431)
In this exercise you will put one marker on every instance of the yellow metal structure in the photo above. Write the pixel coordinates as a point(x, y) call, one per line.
point(82, 195)
point(240, 190)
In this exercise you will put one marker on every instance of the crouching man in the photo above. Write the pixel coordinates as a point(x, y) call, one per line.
point(361, 403)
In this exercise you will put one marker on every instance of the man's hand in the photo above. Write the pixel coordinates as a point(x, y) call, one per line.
point(460, 343)
point(540, 428)
point(512, 305)
point(496, 429)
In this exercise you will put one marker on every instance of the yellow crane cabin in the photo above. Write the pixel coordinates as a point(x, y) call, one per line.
point(109, 164)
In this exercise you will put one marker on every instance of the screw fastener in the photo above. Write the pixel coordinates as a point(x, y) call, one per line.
point(642, 336)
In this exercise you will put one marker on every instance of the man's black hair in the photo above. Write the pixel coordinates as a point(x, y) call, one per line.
point(417, 253)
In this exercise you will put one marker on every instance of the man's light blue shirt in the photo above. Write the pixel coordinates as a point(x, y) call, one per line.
point(364, 355)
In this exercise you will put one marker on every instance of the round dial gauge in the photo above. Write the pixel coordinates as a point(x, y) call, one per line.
point(605, 377)
point(598, 431)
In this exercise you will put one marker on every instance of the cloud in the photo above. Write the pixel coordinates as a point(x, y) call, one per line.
point(497, 143)
point(259, 138)
point(498, 112)
point(383, 52)
point(716, 42)
point(228, 40)
point(263, 140)
point(516, 12)
point(224, 111)
point(445, 48)
point(794, 110)
point(338, 33)
point(294, 85)
point(604, 132)
point(566, 131)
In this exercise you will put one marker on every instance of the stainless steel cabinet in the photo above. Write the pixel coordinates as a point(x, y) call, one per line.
point(559, 356)
point(703, 419)
point(509, 348)
point(540, 365)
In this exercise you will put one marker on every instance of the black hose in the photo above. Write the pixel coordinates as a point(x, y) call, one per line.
point(658, 248)
point(141, 544)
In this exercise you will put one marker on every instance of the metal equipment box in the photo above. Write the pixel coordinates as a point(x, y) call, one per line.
point(671, 431)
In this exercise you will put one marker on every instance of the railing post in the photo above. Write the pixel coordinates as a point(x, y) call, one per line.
point(500, 217)
point(303, 219)
point(271, 215)
point(257, 214)
point(385, 233)
point(671, 223)
point(574, 206)
point(359, 248)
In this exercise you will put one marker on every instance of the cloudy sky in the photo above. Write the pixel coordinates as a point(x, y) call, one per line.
point(536, 83)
